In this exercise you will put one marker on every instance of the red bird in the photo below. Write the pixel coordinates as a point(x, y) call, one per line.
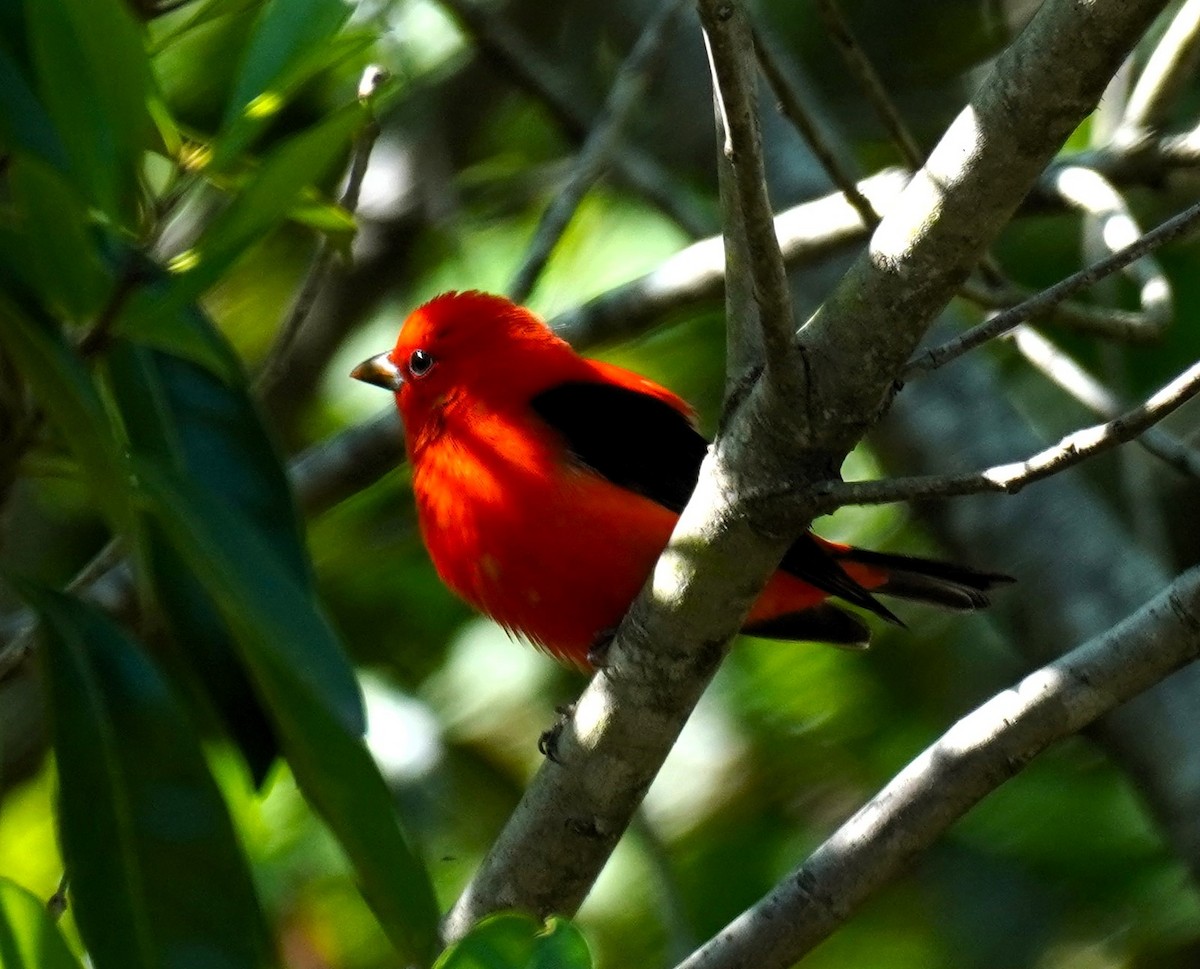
point(547, 484)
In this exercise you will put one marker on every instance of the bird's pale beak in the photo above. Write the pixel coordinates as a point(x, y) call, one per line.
point(380, 371)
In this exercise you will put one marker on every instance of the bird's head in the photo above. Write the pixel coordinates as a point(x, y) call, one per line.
point(468, 345)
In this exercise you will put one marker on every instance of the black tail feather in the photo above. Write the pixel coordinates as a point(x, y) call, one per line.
point(825, 623)
point(944, 584)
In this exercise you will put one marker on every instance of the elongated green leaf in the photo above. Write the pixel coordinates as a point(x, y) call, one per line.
point(94, 79)
point(24, 124)
point(276, 186)
point(290, 651)
point(182, 417)
point(241, 130)
point(257, 208)
point(65, 390)
point(52, 247)
point(287, 640)
point(157, 875)
point(288, 32)
point(29, 939)
point(157, 315)
point(512, 940)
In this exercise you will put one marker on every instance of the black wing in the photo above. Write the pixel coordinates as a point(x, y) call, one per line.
point(634, 440)
point(644, 444)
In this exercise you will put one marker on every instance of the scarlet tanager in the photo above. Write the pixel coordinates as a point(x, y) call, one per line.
point(547, 484)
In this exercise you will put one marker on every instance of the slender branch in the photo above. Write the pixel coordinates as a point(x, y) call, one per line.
point(724, 548)
point(526, 67)
point(1170, 68)
point(872, 85)
point(1066, 374)
point(1115, 229)
point(1175, 227)
point(730, 45)
point(807, 233)
point(602, 140)
point(105, 564)
point(1011, 478)
point(1105, 321)
point(973, 758)
point(317, 274)
point(802, 119)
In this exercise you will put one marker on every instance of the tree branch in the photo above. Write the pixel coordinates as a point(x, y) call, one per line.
point(1174, 228)
point(723, 550)
point(529, 70)
point(598, 147)
point(973, 758)
point(1070, 377)
point(1011, 478)
point(973, 182)
point(730, 45)
point(276, 364)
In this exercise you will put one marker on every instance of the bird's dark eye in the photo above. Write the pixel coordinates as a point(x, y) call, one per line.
point(420, 362)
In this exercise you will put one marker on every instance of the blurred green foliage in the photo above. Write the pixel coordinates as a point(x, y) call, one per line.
point(165, 176)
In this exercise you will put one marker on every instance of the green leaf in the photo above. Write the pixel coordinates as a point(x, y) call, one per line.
point(240, 130)
point(158, 316)
point(326, 217)
point(286, 640)
point(183, 418)
point(512, 940)
point(53, 247)
point(294, 659)
point(25, 127)
point(158, 877)
point(288, 32)
point(64, 388)
point(94, 79)
point(29, 939)
point(258, 207)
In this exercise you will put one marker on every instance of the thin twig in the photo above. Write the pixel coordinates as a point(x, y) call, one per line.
point(974, 757)
point(1127, 326)
point(731, 57)
point(602, 140)
point(1066, 374)
point(934, 357)
point(523, 65)
point(1011, 478)
point(885, 108)
point(873, 87)
point(802, 119)
point(1115, 228)
point(315, 278)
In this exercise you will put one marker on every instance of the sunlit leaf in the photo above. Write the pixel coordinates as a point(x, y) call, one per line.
point(325, 217)
point(264, 201)
point(288, 32)
point(157, 875)
point(94, 79)
point(307, 686)
point(29, 939)
point(240, 130)
point(515, 941)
